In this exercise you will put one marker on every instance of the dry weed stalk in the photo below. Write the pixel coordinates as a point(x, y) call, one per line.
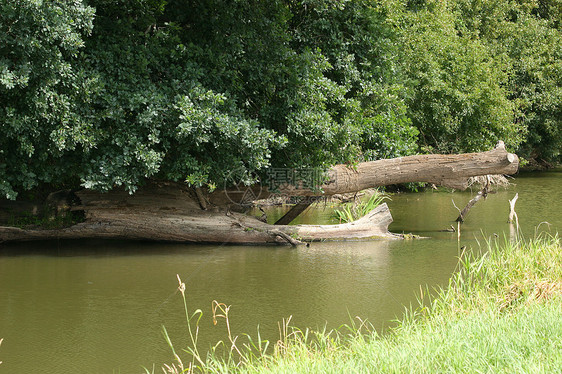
point(546, 290)
point(223, 310)
point(364, 324)
point(541, 291)
point(167, 369)
point(179, 367)
point(282, 345)
point(513, 294)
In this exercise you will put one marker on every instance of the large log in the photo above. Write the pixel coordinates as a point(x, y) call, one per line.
point(452, 171)
point(167, 211)
point(217, 228)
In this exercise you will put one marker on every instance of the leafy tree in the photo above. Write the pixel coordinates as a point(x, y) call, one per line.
point(527, 35)
point(114, 108)
point(108, 93)
point(155, 117)
point(536, 86)
point(457, 88)
point(309, 70)
point(42, 92)
point(360, 43)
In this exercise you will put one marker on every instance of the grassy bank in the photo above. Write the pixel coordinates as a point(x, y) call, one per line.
point(502, 312)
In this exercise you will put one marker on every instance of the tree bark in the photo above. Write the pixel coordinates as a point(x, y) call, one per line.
point(445, 170)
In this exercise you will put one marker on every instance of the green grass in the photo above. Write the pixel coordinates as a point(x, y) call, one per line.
point(501, 313)
point(350, 212)
point(527, 341)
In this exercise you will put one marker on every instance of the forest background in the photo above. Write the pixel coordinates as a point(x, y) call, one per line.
point(106, 93)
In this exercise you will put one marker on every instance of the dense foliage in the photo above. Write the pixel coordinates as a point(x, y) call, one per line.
point(105, 93)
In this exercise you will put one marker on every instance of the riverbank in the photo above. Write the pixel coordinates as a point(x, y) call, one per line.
point(500, 313)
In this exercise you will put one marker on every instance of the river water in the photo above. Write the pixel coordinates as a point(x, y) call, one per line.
point(99, 306)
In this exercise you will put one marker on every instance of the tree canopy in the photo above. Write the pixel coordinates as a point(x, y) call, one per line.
point(106, 93)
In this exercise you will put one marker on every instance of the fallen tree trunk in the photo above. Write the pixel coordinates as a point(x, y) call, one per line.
point(174, 216)
point(445, 170)
point(166, 211)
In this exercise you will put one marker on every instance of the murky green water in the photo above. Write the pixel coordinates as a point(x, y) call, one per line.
point(98, 307)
